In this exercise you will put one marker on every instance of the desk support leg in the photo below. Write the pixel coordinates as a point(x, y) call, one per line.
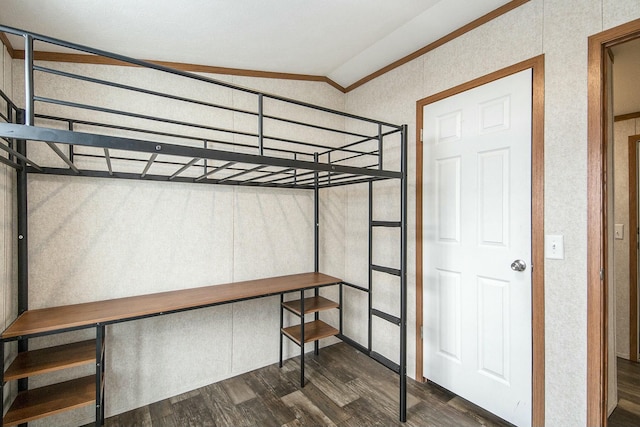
point(281, 326)
point(316, 316)
point(302, 338)
point(2, 383)
point(100, 356)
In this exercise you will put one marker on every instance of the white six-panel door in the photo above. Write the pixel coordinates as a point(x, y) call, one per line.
point(477, 222)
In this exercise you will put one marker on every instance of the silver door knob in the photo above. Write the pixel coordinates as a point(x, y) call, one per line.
point(518, 265)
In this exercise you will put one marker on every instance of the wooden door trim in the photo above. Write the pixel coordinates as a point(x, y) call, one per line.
point(596, 219)
point(633, 246)
point(537, 221)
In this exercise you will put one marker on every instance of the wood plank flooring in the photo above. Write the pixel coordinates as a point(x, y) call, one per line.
point(627, 413)
point(344, 388)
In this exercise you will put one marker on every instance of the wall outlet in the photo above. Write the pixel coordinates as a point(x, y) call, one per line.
point(554, 246)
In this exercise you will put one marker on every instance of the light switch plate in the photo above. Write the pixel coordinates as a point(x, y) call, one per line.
point(619, 231)
point(554, 246)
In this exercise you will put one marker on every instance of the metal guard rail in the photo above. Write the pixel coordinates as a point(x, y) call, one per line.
point(240, 154)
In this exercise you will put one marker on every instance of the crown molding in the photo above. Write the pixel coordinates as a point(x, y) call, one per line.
point(93, 59)
point(629, 116)
point(431, 46)
point(5, 41)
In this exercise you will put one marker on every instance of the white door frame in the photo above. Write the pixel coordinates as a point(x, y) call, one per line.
point(537, 221)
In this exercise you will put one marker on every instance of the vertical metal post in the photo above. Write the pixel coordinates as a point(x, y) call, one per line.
point(1, 382)
point(28, 80)
point(206, 163)
point(316, 240)
point(380, 146)
point(71, 153)
point(25, 117)
point(302, 338)
point(281, 326)
point(295, 171)
point(316, 218)
point(23, 253)
point(403, 277)
point(370, 321)
point(340, 291)
point(261, 124)
point(10, 120)
point(100, 337)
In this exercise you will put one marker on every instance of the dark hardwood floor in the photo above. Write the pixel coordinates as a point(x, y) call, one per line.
point(627, 414)
point(344, 388)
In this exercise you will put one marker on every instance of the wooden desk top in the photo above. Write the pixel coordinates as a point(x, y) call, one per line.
point(53, 319)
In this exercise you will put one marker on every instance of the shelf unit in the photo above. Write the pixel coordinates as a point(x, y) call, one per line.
point(36, 403)
point(306, 332)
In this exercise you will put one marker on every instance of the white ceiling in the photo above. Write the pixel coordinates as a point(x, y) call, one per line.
point(344, 40)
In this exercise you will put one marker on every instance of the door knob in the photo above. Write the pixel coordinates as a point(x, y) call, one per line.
point(518, 265)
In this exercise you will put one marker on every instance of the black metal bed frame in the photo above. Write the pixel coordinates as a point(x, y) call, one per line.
point(204, 154)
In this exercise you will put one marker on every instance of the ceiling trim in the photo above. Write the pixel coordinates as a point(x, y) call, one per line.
point(431, 46)
point(93, 59)
point(629, 116)
point(5, 41)
point(194, 68)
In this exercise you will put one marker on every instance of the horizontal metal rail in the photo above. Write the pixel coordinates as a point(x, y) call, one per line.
point(182, 123)
point(193, 101)
point(167, 134)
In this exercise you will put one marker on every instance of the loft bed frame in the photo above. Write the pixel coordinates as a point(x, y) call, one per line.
point(259, 148)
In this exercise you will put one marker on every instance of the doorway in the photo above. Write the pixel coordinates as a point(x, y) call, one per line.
point(599, 231)
point(537, 232)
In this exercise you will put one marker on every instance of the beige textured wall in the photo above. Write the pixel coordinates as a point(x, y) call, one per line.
point(93, 239)
point(558, 29)
point(622, 131)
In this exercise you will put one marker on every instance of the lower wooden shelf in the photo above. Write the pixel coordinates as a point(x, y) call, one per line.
point(311, 305)
point(49, 400)
point(35, 362)
point(312, 331)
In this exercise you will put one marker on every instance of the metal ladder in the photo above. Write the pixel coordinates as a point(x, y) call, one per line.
point(400, 273)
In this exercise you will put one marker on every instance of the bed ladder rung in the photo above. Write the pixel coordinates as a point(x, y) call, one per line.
point(386, 224)
point(386, 316)
point(388, 270)
point(386, 362)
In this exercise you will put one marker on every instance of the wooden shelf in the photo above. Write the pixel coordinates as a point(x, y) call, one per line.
point(44, 401)
point(51, 359)
point(313, 331)
point(311, 305)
